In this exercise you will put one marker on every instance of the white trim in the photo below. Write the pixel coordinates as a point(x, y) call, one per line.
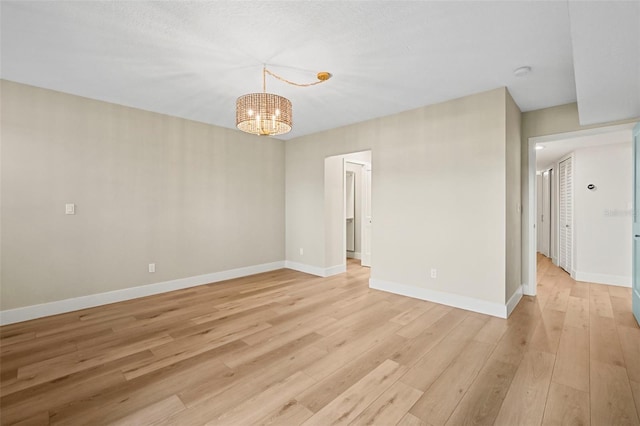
point(525, 291)
point(335, 270)
point(449, 299)
point(514, 300)
point(69, 305)
point(590, 277)
point(354, 255)
point(530, 252)
point(316, 270)
point(307, 269)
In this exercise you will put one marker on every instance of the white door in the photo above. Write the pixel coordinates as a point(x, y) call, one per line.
point(545, 214)
point(366, 228)
point(565, 214)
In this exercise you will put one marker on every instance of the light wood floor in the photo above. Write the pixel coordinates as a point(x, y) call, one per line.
point(287, 348)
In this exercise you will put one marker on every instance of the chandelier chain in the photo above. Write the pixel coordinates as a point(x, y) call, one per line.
point(266, 71)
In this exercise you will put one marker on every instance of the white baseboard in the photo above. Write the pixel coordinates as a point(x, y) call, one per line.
point(335, 270)
point(26, 313)
point(528, 291)
point(617, 280)
point(307, 269)
point(354, 255)
point(514, 300)
point(449, 299)
point(315, 270)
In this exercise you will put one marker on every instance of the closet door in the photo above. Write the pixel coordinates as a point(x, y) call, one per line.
point(565, 214)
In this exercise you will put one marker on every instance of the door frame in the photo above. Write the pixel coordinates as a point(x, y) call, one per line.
point(635, 231)
point(530, 279)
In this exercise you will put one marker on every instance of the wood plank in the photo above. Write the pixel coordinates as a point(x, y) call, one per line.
point(266, 404)
point(635, 389)
point(411, 420)
point(414, 349)
point(525, 400)
point(577, 313)
point(611, 400)
point(621, 292)
point(64, 365)
point(390, 407)
point(558, 299)
point(291, 413)
point(580, 290)
point(630, 343)
point(442, 397)
point(604, 341)
point(512, 346)
point(183, 348)
point(342, 351)
point(39, 419)
point(125, 399)
point(600, 301)
point(547, 335)
point(65, 390)
point(413, 313)
point(357, 398)
point(492, 331)
point(209, 400)
point(572, 360)
point(303, 335)
point(566, 406)
point(428, 318)
point(482, 401)
point(427, 370)
point(622, 311)
point(7, 338)
point(329, 388)
point(153, 413)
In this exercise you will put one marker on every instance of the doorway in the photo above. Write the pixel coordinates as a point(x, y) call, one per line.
point(358, 210)
point(566, 216)
point(347, 205)
point(545, 219)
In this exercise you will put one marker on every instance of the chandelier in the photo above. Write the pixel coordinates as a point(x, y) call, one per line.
point(268, 114)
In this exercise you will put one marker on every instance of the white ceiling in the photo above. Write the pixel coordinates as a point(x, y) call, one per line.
point(193, 59)
point(556, 149)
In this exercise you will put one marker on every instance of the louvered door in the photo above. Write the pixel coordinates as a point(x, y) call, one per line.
point(565, 214)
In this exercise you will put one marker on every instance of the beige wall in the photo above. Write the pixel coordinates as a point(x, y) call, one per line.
point(544, 122)
point(334, 211)
point(513, 205)
point(438, 195)
point(191, 197)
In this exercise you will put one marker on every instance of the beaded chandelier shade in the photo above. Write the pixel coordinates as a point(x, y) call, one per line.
point(263, 114)
point(268, 114)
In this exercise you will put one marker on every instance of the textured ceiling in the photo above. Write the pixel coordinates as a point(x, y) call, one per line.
point(193, 59)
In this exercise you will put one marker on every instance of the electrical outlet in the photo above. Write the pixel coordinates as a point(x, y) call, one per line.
point(301, 251)
point(434, 273)
point(152, 267)
point(69, 209)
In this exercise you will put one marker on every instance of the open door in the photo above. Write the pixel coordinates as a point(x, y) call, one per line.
point(636, 223)
point(366, 226)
